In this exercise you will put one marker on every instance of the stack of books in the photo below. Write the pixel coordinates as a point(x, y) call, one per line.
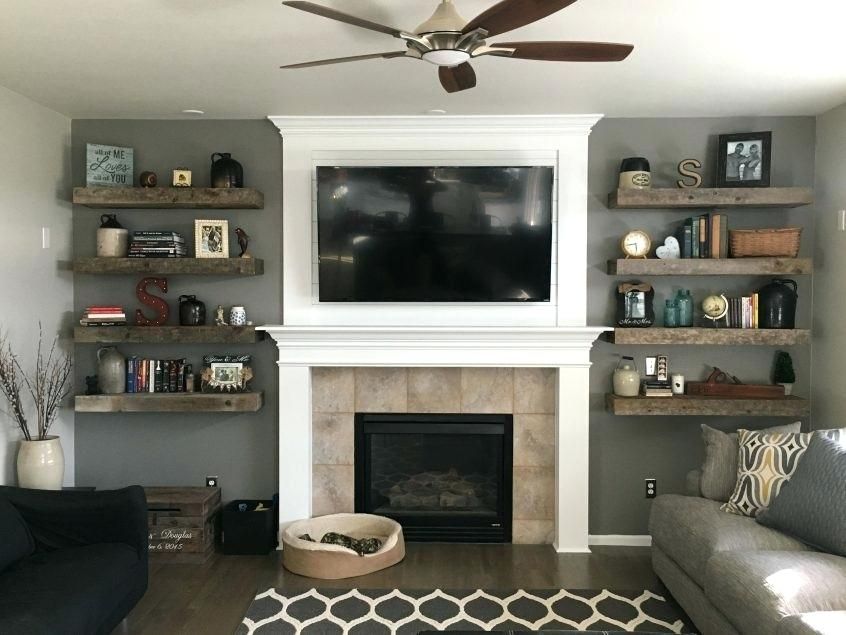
point(158, 375)
point(704, 236)
point(657, 389)
point(157, 245)
point(743, 312)
point(103, 316)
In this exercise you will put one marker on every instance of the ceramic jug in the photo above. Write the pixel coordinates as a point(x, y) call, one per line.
point(111, 370)
point(226, 171)
point(777, 305)
point(626, 378)
point(192, 312)
point(112, 238)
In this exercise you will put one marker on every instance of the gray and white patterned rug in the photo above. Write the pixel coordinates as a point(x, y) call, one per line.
point(403, 612)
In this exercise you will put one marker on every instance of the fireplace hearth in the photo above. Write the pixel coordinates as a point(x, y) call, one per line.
point(443, 477)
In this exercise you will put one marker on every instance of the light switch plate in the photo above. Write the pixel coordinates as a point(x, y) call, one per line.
point(650, 365)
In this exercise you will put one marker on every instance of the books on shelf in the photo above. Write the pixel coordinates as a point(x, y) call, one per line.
point(657, 389)
point(158, 375)
point(103, 316)
point(157, 244)
point(704, 236)
point(743, 312)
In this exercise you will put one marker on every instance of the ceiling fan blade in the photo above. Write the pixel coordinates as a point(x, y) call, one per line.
point(457, 78)
point(332, 14)
point(512, 14)
point(568, 51)
point(341, 60)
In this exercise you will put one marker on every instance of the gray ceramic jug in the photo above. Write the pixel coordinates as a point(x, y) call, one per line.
point(111, 370)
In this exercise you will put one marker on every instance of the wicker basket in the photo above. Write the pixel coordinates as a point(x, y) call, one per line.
point(759, 243)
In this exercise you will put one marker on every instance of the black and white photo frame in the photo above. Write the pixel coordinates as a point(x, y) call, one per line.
point(744, 159)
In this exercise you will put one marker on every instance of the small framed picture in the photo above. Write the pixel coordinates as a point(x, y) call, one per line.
point(226, 373)
point(211, 239)
point(744, 159)
point(181, 177)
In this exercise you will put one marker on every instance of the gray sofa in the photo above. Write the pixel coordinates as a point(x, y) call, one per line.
point(734, 576)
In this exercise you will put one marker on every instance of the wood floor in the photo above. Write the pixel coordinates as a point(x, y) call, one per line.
point(213, 598)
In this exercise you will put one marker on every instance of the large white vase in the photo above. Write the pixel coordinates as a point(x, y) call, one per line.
point(41, 464)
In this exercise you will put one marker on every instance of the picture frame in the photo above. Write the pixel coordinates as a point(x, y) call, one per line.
point(635, 305)
point(108, 166)
point(744, 159)
point(182, 177)
point(226, 373)
point(211, 238)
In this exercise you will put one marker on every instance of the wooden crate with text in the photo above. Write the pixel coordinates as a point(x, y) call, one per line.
point(183, 522)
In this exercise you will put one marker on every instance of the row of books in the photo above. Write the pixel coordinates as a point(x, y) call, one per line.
point(704, 236)
point(657, 389)
point(158, 375)
point(103, 316)
point(155, 244)
point(743, 312)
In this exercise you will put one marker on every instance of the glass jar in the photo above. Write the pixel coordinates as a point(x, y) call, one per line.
point(671, 314)
point(684, 302)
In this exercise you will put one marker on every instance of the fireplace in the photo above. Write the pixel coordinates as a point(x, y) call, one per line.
point(443, 477)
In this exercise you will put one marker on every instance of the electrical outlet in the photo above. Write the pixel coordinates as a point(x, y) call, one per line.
point(651, 487)
point(841, 220)
point(650, 364)
point(212, 481)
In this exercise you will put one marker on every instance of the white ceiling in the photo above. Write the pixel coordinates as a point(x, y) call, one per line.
point(154, 58)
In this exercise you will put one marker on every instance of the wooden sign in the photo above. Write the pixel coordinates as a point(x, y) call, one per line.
point(108, 166)
point(686, 169)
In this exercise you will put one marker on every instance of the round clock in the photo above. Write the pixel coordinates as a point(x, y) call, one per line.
point(636, 244)
point(715, 307)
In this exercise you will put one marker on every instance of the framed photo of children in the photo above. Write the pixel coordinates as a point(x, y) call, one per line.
point(744, 159)
point(211, 239)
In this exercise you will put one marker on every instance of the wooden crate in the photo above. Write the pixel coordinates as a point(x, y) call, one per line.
point(183, 522)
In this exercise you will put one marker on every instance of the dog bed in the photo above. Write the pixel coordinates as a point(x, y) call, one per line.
point(333, 562)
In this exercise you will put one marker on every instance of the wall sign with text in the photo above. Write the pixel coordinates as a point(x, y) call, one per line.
point(108, 166)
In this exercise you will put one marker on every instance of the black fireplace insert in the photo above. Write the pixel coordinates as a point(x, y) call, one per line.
point(443, 477)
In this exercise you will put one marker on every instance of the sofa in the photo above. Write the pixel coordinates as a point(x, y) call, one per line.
point(70, 562)
point(733, 576)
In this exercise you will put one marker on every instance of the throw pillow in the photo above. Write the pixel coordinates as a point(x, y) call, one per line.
point(765, 463)
point(16, 540)
point(812, 506)
point(719, 470)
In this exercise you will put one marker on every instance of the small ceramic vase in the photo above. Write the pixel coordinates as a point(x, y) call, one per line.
point(237, 316)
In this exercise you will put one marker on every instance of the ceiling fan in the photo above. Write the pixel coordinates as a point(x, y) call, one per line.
point(449, 41)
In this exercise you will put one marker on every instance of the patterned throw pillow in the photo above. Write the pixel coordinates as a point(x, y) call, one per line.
point(765, 462)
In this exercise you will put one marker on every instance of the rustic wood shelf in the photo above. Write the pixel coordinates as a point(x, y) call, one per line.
point(166, 335)
point(711, 267)
point(171, 266)
point(684, 405)
point(168, 197)
point(171, 402)
point(710, 336)
point(711, 197)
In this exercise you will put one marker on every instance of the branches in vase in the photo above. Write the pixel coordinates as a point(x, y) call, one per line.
point(48, 386)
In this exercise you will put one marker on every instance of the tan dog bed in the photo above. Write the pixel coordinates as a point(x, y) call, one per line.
point(333, 562)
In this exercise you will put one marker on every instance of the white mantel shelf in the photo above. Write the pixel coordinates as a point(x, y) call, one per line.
point(434, 346)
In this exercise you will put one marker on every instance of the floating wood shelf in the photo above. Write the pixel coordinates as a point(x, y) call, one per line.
point(168, 197)
point(684, 405)
point(166, 335)
point(711, 267)
point(171, 266)
point(171, 402)
point(705, 197)
point(710, 336)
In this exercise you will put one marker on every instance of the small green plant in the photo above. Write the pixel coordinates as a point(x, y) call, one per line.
point(784, 373)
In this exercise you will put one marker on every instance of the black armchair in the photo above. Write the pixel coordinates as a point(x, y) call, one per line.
point(78, 560)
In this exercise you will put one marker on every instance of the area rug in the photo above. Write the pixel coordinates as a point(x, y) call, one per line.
point(403, 612)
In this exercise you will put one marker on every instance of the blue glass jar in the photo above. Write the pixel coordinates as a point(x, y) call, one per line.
point(671, 314)
point(684, 302)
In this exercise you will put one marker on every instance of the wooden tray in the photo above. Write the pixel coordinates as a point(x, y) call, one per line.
point(721, 384)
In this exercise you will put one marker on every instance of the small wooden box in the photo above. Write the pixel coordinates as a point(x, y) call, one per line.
point(183, 522)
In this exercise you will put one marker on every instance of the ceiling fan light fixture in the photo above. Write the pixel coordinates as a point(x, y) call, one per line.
point(446, 57)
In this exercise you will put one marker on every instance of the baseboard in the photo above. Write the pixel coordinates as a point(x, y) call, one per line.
point(621, 540)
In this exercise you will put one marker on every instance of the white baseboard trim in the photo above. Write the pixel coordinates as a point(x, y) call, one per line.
point(621, 540)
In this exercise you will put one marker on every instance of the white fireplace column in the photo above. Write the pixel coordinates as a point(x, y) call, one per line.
point(566, 349)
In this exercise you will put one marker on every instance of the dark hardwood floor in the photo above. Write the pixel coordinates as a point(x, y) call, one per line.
point(213, 598)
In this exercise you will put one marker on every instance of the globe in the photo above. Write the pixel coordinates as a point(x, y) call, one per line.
point(715, 306)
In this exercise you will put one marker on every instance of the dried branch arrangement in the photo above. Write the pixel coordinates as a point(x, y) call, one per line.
point(48, 385)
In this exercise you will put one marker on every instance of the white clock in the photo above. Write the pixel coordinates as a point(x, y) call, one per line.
point(636, 244)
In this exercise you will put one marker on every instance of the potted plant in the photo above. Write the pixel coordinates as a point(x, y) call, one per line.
point(784, 373)
point(41, 462)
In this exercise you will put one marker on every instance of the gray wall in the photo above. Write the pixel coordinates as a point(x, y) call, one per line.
point(180, 449)
point(34, 193)
point(625, 450)
point(829, 280)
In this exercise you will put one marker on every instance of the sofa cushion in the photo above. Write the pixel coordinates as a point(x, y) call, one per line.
point(812, 505)
point(755, 590)
point(16, 542)
point(80, 585)
point(819, 623)
point(691, 529)
point(719, 470)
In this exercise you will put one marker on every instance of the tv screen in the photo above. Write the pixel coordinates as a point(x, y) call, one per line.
point(434, 234)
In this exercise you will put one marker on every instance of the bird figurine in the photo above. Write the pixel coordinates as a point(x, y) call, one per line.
point(243, 242)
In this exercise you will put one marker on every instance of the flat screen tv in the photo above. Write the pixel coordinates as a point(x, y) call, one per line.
point(434, 234)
